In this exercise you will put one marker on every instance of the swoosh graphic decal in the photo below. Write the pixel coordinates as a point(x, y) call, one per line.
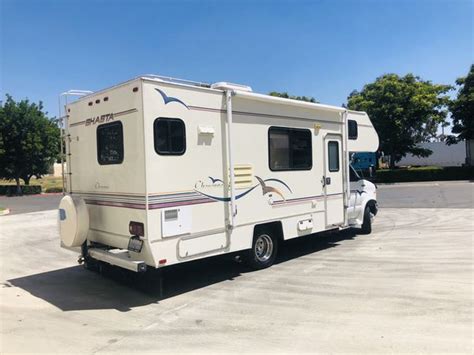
point(281, 182)
point(167, 99)
point(265, 189)
point(214, 180)
point(359, 192)
point(227, 199)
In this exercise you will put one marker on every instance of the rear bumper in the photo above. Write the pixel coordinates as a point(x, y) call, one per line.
point(117, 257)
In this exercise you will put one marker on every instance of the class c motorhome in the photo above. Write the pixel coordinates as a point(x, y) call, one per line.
point(162, 171)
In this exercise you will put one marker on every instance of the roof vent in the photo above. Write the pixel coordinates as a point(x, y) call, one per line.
point(222, 85)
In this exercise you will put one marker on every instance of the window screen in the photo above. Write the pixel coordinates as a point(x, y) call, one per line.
point(353, 130)
point(289, 149)
point(169, 136)
point(333, 156)
point(110, 143)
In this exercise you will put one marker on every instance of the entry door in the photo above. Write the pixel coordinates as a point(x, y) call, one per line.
point(333, 181)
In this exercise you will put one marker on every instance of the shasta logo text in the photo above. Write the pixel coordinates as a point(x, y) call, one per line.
point(100, 119)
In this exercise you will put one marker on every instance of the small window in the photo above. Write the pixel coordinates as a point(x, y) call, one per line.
point(353, 130)
point(333, 154)
point(170, 136)
point(289, 149)
point(110, 143)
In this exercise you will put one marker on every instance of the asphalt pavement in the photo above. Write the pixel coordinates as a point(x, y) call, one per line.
point(30, 203)
point(436, 194)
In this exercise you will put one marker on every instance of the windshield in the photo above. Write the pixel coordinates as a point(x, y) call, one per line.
point(353, 176)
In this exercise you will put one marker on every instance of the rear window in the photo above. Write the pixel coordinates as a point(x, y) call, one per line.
point(110, 143)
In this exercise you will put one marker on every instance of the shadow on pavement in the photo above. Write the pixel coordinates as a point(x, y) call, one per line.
point(74, 288)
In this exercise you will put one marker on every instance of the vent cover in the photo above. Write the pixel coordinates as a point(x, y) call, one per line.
point(243, 176)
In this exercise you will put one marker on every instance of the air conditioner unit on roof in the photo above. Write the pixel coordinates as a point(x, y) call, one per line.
point(222, 85)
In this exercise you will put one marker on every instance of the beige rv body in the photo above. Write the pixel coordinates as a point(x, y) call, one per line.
point(184, 201)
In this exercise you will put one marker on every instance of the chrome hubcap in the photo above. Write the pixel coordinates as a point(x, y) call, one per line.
point(263, 247)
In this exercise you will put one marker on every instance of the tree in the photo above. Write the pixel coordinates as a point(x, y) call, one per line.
point(29, 141)
point(286, 96)
point(462, 109)
point(405, 111)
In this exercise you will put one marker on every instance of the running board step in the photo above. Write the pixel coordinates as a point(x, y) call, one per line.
point(117, 257)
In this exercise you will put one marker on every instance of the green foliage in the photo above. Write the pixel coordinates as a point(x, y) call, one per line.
point(11, 190)
point(286, 96)
point(53, 189)
point(47, 183)
point(462, 109)
point(405, 111)
point(425, 174)
point(29, 141)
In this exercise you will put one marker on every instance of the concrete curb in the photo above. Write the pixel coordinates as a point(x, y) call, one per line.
point(5, 212)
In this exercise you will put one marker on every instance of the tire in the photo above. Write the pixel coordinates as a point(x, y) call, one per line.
point(264, 250)
point(367, 223)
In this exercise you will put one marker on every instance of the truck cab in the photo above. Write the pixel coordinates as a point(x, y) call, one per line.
point(362, 203)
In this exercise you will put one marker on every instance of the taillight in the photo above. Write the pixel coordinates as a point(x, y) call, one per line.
point(136, 228)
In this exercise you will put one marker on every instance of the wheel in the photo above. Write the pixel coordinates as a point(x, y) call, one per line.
point(263, 252)
point(367, 224)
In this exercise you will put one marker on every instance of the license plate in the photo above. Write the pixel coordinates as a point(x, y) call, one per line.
point(135, 244)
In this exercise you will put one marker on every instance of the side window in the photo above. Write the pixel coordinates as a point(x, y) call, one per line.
point(289, 149)
point(169, 136)
point(110, 143)
point(333, 156)
point(353, 129)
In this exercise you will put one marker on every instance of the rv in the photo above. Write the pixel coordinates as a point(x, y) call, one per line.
point(161, 171)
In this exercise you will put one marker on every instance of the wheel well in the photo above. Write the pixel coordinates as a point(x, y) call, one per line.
point(275, 228)
point(372, 204)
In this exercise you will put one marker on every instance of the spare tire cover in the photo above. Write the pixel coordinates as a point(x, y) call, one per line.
point(73, 221)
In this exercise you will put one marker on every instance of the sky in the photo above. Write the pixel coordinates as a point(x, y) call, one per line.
point(324, 48)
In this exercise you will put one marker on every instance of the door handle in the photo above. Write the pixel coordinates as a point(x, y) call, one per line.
point(328, 181)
